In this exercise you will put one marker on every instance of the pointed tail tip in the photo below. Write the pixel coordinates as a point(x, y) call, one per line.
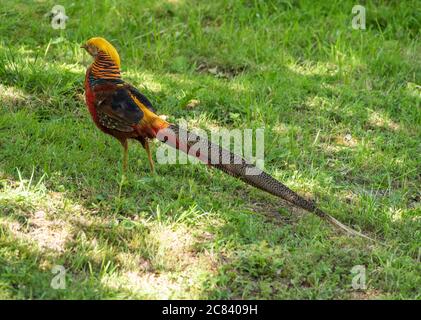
point(342, 226)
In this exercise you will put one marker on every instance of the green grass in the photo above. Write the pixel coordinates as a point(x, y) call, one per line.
point(342, 117)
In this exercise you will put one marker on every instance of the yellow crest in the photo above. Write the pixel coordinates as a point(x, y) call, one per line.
point(106, 47)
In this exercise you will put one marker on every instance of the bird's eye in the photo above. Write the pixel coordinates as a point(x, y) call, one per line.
point(93, 50)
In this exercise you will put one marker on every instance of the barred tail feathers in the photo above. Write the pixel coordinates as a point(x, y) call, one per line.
point(238, 167)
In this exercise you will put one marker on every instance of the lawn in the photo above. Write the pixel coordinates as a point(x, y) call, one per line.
point(342, 117)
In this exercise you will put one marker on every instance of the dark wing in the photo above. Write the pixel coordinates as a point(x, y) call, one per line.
point(115, 108)
point(142, 98)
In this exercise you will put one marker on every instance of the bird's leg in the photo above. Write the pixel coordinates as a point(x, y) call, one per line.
point(148, 150)
point(125, 155)
point(125, 145)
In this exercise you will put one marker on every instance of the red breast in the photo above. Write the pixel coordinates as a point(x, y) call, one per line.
point(90, 97)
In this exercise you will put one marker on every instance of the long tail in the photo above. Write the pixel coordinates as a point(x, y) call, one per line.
point(222, 159)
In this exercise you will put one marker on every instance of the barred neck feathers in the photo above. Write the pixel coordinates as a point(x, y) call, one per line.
point(105, 68)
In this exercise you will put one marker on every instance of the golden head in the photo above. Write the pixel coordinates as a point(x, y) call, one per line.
point(97, 45)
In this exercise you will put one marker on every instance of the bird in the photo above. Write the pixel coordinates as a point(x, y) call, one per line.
point(122, 111)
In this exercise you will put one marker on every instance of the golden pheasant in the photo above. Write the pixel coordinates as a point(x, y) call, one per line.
point(120, 110)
